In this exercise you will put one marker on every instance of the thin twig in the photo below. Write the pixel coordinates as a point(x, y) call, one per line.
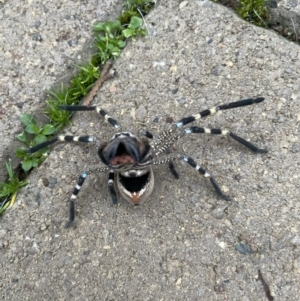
point(105, 74)
point(143, 19)
point(296, 36)
point(266, 287)
point(260, 17)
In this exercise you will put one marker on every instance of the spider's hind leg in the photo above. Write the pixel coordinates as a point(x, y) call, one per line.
point(203, 172)
point(190, 161)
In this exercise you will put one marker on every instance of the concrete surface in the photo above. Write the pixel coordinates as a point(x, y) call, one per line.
point(184, 243)
point(39, 43)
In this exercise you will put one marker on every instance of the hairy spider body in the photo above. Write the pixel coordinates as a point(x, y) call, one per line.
point(129, 158)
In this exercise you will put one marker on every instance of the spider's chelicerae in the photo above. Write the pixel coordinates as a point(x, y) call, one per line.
point(130, 157)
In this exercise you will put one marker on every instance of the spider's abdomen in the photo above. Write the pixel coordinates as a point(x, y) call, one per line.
point(135, 186)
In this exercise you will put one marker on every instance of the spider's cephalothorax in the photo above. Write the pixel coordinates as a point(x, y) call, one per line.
point(130, 158)
point(127, 155)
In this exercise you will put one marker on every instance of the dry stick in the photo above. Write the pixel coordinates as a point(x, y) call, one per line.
point(266, 287)
point(105, 74)
point(296, 37)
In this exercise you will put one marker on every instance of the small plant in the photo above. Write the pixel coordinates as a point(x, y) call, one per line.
point(134, 28)
point(80, 85)
point(38, 135)
point(10, 188)
point(109, 40)
point(137, 7)
point(254, 11)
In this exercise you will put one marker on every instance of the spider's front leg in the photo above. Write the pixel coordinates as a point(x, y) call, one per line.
point(109, 119)
point(73, 197)
point(62, 138)
point(199, 130)
point(78, 186)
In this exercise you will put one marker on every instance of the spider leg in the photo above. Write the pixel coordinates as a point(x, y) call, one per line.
point(199, 130)
point(190, 161)
point(60, 138)
point(214, 110)
point(76, 190)
point(112, 191)
point(80, 182)
point(173, 170)
point(103, 113)
point(202, 171)
point(171, 164)
point(168, 137)
point(146, 134)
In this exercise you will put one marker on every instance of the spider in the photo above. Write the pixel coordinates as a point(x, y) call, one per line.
point(130, 157)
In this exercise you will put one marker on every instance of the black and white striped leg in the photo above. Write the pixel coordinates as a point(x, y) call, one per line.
point(76, 190)
point(193, 164)
point(60, 138)
point(146, 134)
point(103, 113)
point(173, 170)
point(214, 110)
point(172, 166)
point(112, 191)
point(199, 130)
point(73, 198)
point(203, 172)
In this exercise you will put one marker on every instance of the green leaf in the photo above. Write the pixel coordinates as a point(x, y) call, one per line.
point(121, 44)
point(40, 138)
point(27, 119)
point(135, 22)
point(127, 33)
point(20, 153)
point(48, 129)
point(22, 137)
point(32, 129)
point(27, 164)
point(4, 208)
point(35, 162)
point(98, 27)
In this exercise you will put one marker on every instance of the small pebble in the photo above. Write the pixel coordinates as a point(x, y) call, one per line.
point(37, 37)
point(243, 249)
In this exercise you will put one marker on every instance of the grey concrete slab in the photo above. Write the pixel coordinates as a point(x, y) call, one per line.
point(184, 243)
point(39, 43)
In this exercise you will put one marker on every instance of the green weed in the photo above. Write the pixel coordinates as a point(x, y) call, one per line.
point(9, 189)
point(31, 136)
point(254, 11)
point(110, 39)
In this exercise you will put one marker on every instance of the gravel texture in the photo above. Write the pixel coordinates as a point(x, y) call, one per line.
point(40, 41)
point(184, 243)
